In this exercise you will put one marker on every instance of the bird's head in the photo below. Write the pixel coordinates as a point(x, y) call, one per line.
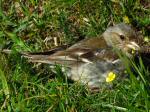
point(122, 37)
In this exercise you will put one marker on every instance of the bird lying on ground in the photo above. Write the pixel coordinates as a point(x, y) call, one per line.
point(93, 61)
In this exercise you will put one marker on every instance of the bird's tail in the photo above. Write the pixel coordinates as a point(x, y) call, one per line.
point(44, 57)
point(41, 57)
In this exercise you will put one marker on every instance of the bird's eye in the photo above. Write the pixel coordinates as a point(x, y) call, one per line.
point(122, 37)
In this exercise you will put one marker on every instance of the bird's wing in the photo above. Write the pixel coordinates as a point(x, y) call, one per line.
point(85, 51)
point(71, 57)
point(92, 43)
point(64, 57)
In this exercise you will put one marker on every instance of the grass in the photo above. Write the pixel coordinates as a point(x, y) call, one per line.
point(38, 26)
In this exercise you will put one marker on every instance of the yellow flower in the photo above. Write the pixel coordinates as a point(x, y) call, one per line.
point(111, 76)
point(146, 39)
point(133, 51)
point(125, 72)
point(126, 19)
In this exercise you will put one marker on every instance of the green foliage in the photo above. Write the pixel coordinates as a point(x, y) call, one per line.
point(32, 25)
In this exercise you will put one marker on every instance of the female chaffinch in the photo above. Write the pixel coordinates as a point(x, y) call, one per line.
point(93, 61)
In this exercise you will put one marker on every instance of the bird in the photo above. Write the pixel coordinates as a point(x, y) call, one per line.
point(93, 62)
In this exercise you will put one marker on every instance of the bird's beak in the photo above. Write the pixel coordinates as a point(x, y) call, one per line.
point(133, 46)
